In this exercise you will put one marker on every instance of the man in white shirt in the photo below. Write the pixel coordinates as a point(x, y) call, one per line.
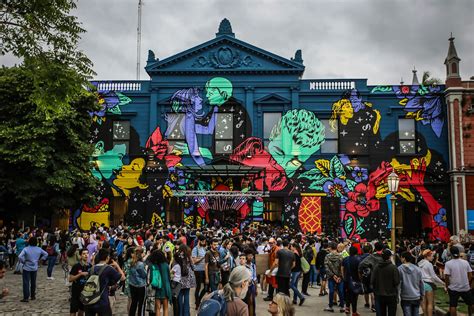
point(458, 276)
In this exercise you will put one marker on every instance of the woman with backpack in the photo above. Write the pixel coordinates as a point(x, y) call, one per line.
point(137, 279)
point(160, 280)
point(52, 249)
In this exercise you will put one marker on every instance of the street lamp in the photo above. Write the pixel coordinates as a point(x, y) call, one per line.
point(392, 181)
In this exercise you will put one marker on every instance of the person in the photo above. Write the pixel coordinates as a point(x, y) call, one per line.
point(385, 280)
point(11, 250)
point(52, 249)
point(212, 266)
point(137, 279)
point(281, 306)
point(366, 267)
point(188, 280)
point(78, 276)
point(333, 266)
point(458, 277)
point(225, 257)
point(198, 256)
point(109, 274)
point(271, 260)
point(321, 256)
point(29, 258)
point(20, 244)
point(126, 271)
point(285, 261)
point(311, 258)
point(159, 264)
point(295, 273)
point(3, 270)
point(176, 283)
point(429, 281)
point(232, 292)
point(350, 269)
point(411, 285)
point(309, 255)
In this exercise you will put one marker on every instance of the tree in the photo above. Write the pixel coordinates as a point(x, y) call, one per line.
point(427, 80)
point(44, 160)
point(44, 34)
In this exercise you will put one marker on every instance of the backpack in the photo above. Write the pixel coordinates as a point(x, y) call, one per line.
point(91, 293)
point(305, 266)
point(214, 306)
point(156, 281)
point(119, 247)
point(50, 250)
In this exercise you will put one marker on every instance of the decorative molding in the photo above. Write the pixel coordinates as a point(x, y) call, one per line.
point(225, 58)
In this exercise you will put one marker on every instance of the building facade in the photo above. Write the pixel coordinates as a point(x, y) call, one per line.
point(460, 105)
point(226, 132)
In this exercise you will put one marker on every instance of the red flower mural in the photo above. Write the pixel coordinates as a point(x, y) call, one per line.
point(358, 202)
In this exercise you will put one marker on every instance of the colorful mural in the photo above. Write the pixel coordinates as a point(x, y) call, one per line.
point(290, 162)
point(110, 102)
point(85, 217)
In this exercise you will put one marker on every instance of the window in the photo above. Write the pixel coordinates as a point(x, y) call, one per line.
point(173, 132)
point(330, 145)
point(270, 119)
point(224, 133)
point(406, 136)
point(121, 133)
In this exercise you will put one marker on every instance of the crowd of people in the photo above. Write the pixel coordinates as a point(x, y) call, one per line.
point(157, 266)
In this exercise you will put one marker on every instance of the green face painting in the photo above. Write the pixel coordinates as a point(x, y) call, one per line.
point(298, 135)
point(108, 161)
point(218, 90)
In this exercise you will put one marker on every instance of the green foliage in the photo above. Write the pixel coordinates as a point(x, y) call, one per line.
point(337, 168)
point(44, 156)
point(45, 36)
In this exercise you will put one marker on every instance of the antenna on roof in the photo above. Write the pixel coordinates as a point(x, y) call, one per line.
point(139, 36)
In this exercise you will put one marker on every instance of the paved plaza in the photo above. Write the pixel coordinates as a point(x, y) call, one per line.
point(52, 298)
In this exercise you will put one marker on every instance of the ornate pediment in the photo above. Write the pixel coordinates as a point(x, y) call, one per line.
point(225, 58)
point(224, 53)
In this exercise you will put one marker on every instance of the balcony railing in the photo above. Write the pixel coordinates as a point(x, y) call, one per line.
point(120, 85)
point(331, 85)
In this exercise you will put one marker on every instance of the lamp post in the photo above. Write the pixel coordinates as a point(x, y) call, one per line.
point(392, 181)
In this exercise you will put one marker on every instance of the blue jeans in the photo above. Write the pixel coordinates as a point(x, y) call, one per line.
point(183, 302)
point(294, 286)
point(51, 263)
point(29, 282)
point(313, 275)
point(339, 287)
point(214, 279)
point(410, 308)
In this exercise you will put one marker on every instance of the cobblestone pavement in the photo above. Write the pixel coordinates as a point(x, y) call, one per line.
point(52, 298)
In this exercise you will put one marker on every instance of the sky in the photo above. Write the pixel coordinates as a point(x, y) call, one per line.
point(381, 40)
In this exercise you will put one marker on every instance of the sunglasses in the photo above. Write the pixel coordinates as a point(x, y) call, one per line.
point(273, 303)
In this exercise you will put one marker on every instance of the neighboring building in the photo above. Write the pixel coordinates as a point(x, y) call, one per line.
point(228, 132)
point(460, 103)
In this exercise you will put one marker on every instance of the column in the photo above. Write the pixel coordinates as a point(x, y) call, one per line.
point(152, 110)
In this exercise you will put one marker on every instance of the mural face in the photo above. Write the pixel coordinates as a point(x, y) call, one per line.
point(297, 136)
point(291, 165)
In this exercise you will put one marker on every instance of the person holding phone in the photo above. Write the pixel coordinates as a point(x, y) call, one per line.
point(78, 277)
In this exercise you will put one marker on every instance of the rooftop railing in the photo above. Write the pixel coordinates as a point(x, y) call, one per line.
point(120, 85)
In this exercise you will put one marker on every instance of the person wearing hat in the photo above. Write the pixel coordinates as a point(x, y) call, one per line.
point(458, 277)
point(385, 280)
point(429, 281)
